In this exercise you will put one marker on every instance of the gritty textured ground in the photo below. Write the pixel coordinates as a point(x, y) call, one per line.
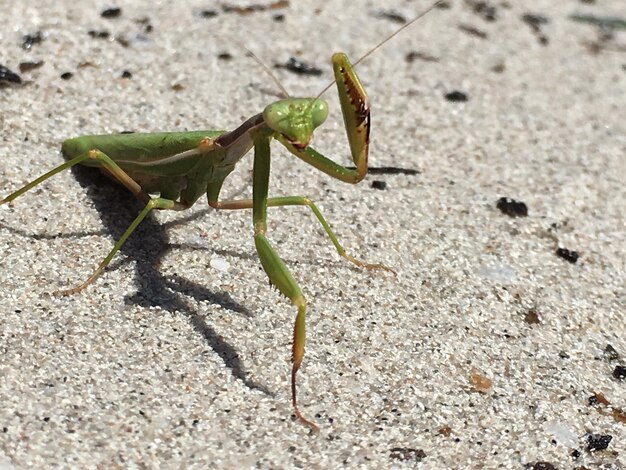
point(487, 350)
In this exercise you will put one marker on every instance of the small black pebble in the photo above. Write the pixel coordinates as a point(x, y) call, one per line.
point(7, 76)
point(598, 441)
point(29, 40)
point(592, 400)
point(126, 74)
point(390, 170)
point(456, 96)
point(534, 20)
point(417, 55)
point(28, 66)
point(575, 454)
point(511, 207)
point(619, 372)
point(407, 454)
point(98, 34)
point(224, 56)
point(543, 466)
point(471, 30)
point(208, 13)
point(567, 255)
point(299, 67)
point(279, 18)
point(122, 41)
point(391, 16)
point(488, 12)
point(67, 75)
point(145, 22)
point(610, 353)
point(378, 184)
point(111, 13)
point(532, 317)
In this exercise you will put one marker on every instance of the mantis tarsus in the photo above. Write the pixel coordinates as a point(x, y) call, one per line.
point(182, 166)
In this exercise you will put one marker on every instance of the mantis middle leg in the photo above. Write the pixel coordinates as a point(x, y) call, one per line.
point(291, 201)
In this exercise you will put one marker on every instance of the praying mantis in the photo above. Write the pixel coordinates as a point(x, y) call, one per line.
point(172, 170)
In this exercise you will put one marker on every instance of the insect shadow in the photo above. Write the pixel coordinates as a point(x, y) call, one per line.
point(147, 246)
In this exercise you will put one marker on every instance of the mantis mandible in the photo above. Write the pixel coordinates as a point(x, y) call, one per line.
point(180, 167)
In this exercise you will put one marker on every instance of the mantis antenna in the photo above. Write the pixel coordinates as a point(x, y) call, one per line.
point(384, 41)
point(285, 93)
point(267, 70)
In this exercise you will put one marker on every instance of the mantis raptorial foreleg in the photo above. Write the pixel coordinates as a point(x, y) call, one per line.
point(356, 117)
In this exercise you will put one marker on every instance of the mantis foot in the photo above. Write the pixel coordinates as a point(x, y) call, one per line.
point(368, 266)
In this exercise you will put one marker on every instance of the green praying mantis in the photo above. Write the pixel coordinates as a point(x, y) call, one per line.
point(180, 167)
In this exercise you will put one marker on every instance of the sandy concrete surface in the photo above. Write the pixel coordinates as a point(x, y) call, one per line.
point(487, 350)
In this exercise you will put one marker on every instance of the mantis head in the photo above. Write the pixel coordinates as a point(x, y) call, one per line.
point(296, 119)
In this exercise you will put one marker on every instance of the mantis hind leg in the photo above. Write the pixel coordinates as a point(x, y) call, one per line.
point(120, 175)
point(106, 163)
point(113, 169)
point(155, 203)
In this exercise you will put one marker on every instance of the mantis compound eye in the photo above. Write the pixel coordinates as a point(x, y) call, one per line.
point(319, 112)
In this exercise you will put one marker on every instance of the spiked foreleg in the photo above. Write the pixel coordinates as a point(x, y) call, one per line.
point(356, 117)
